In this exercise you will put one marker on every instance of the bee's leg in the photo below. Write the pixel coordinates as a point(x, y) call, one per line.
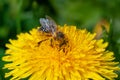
point(41, 41)
point(63, 43)
point(51, 42)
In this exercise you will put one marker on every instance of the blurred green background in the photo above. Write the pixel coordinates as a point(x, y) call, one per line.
point(18, 16)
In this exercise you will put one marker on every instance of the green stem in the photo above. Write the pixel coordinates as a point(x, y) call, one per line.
point(110, 35)
point(18, 25)
point(18, 19)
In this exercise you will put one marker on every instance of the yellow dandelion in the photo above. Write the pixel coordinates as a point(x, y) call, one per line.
point(38, 56)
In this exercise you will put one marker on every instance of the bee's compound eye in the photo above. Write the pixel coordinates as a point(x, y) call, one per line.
point(44, 29)
point(41, 29)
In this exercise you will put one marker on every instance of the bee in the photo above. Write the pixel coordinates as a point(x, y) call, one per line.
point(49, 26)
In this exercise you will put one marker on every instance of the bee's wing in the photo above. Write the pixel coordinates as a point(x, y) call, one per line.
point(51, 21)
point(52, 24)
point(44, 23)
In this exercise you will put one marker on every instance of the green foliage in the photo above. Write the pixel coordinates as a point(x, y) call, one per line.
point(18, 16)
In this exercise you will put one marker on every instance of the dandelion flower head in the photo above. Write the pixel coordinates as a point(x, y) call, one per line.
point(38, 56)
